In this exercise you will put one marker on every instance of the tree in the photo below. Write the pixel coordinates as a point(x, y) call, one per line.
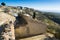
point(34, 15)
point(3, 4)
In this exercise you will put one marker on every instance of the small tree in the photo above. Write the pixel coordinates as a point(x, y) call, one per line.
point(3, 4)
point(34, 15)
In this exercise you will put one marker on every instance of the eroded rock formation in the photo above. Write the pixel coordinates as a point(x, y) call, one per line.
point(7, 26)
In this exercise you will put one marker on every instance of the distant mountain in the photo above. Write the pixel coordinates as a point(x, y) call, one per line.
point(53, 16)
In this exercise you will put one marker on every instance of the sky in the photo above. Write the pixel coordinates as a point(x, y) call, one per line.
point(43, 5)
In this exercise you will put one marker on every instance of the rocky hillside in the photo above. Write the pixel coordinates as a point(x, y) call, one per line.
point(26, 24)
point(53, 16)
point(52, 26)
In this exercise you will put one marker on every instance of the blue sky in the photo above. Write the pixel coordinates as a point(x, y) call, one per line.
point(43, 5)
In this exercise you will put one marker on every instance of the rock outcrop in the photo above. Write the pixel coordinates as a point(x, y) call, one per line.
point(7, 26)
point(18, 20)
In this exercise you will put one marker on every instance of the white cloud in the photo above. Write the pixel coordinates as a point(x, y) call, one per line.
point(51, 8)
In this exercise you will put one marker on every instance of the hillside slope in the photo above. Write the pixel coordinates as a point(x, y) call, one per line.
point(26, 22)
